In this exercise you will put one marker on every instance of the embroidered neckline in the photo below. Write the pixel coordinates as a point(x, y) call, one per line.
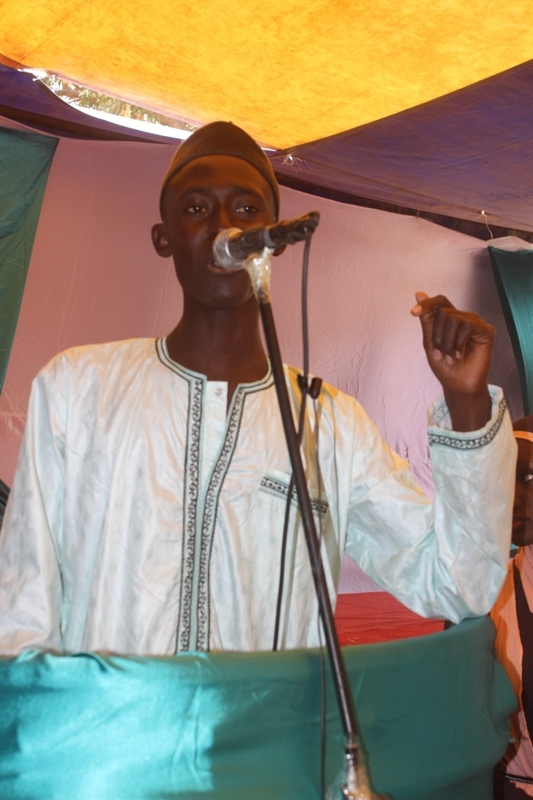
point(167, 361)
point(200, 507)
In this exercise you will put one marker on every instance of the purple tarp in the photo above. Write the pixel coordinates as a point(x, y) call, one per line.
point(467, 152)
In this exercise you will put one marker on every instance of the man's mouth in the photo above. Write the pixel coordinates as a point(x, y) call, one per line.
point(218, 270)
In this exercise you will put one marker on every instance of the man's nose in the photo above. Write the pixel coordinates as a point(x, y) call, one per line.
point(222, 220)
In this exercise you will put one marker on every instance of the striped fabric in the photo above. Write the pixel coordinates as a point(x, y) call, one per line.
point(4, 494)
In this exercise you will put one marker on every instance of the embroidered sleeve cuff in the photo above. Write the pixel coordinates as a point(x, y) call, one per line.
point(440, 427)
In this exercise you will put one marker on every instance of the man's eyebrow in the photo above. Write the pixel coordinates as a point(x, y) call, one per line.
point(246, 190)
point(194, 190)
point(235, 189)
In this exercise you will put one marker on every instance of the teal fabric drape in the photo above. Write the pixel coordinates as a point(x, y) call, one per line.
point(513, 272)
point(231, 726)
point(25, 160)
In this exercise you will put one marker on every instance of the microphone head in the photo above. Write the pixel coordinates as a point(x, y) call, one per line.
point(221, 251)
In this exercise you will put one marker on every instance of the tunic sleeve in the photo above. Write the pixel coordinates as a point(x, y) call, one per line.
point(30, 539)
point(448, 558)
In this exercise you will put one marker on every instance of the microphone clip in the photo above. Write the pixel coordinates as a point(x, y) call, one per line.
point(312, 388)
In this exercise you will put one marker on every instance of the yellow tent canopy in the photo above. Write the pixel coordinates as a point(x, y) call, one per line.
point(286, 70)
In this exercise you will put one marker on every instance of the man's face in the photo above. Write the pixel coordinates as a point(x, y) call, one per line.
point(208, 195)
point(523, 500)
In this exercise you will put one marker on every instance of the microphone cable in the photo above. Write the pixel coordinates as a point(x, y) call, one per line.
point(313, 390)
point(303, 383)
point(321, 646)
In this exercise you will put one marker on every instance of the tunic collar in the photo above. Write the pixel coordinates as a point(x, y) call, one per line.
point(167, 361)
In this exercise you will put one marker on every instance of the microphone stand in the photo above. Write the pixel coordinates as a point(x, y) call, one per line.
point(355, 782)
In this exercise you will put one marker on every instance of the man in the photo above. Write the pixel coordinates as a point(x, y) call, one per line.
point(147, 511)
point(513, 618)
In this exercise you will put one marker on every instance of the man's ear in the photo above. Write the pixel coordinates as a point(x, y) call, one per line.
point(160, 241)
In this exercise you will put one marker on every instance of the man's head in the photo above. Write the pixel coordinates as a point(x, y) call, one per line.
point(219, 178)
point(523, 501)
point(221, 139)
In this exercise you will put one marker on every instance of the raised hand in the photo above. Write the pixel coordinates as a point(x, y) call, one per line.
point(458, 347)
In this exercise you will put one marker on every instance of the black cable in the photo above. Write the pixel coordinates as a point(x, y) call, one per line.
point(314, 391)
point(286, 529)
point(303, 382)
point(305, 320)
point(319, 623)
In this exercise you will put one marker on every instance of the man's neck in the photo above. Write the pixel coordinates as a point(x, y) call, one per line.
point(223, 345)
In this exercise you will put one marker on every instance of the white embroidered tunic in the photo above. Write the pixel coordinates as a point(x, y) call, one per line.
point(144, 519)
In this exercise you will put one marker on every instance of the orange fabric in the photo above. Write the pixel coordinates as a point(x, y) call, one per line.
point(287, 71)
point(523, 435)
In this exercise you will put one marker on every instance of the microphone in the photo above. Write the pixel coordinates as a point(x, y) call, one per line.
point(232, 246)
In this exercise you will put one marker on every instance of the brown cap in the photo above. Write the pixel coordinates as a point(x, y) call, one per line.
point(221, 139)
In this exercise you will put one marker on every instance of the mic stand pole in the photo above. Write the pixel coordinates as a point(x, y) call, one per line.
point(355, 784)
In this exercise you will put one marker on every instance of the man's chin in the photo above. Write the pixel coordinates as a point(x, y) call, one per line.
point(233, 301)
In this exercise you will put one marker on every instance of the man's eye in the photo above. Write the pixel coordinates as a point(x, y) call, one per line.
point(247, 209)
point(195, 209)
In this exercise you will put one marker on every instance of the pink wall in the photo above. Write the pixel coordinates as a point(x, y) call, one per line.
point(366, 267)
point(94, 277)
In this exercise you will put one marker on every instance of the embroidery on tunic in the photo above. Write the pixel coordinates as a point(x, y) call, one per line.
point(278, 487)
point(199, 513)
point(191, 485)
point(471, 444)
point(190, 510)
point(211, 504)
point(209, 518)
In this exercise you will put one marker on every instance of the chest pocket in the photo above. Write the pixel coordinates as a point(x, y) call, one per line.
point(277, 483)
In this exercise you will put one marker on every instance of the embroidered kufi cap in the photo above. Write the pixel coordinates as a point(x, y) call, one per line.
point(221, 139)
